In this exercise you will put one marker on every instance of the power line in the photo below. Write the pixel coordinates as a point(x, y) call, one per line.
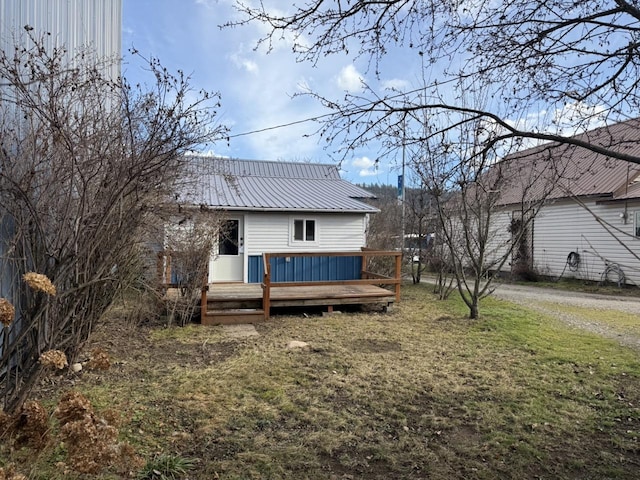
point(318, 117)
point(275, 127)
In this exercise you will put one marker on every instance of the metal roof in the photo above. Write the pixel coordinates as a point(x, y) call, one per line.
point(555, 170)
point(258, 185)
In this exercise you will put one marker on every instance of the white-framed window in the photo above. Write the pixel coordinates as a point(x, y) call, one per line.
point(304, 230)
point(636, 225)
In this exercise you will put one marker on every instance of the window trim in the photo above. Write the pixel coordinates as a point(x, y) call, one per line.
point(636, 224)
point(292, 230)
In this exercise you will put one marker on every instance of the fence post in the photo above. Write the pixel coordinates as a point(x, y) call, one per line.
point(398, 275)
point(266, 286)
point(203, 303)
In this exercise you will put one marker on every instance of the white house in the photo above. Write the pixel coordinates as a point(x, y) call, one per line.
point(588, 226)
point(281, 207)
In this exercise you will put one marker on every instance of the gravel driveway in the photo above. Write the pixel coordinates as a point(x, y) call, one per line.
point(531, 297)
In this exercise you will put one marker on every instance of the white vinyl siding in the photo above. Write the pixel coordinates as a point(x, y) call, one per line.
point(564, 227)
point(271, 232)
point(499, 238)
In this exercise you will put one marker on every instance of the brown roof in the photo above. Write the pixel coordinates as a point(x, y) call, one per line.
point(559, 170)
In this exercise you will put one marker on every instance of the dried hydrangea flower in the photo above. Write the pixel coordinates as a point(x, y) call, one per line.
point(33, 424)
point(54, 358)
point(7, 312)
point(39, 282)
point(99, 359)
point(73, 407)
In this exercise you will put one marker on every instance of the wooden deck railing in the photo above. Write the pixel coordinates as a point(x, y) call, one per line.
point(366, 277)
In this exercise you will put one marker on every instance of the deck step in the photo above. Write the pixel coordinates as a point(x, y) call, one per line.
point(233, 316)
point(233, 304)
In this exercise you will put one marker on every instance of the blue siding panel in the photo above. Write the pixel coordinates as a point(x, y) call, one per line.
point(306, 269)
point(255, 269)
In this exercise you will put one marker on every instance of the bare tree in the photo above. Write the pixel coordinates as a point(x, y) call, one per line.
point(85, 161)
point(385, 227)
point(484, 207)
point(440, 262)
point(576, 60)
point(188, 245)
point(419, 227)
point(544, 65)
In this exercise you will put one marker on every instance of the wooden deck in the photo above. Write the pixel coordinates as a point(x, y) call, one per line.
point(248, 303)
point(224, 303)
point(242, 303)
point(249, 293)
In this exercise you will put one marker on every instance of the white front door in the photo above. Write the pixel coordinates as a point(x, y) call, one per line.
point(227, 264)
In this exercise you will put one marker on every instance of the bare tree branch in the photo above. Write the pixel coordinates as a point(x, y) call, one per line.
point(88, 163)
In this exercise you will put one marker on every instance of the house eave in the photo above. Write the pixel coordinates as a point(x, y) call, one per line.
point(610, 201)
point(604, 197)
point(289, 210)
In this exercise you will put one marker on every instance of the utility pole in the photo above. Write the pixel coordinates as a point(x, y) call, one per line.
point(402, 194)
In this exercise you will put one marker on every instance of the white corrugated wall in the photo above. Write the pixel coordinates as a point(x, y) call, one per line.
point(500, 237)
point(96, 24)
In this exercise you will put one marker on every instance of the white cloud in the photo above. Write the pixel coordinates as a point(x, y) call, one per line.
point(363, 162)
point(578, 117)
point(349, 79)
point(244, 63)
point(258, 89)
point(569, 120)
point(366, 166)
point(367, 173)
point(206, 154)
point(397, 84)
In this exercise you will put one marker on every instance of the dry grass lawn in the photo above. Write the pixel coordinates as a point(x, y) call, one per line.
point(418, 393)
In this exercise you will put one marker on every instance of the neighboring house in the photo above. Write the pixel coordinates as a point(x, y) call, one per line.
point(588, 226)
point(278, 207)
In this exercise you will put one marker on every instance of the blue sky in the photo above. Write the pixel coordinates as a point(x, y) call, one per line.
point(256, 87)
